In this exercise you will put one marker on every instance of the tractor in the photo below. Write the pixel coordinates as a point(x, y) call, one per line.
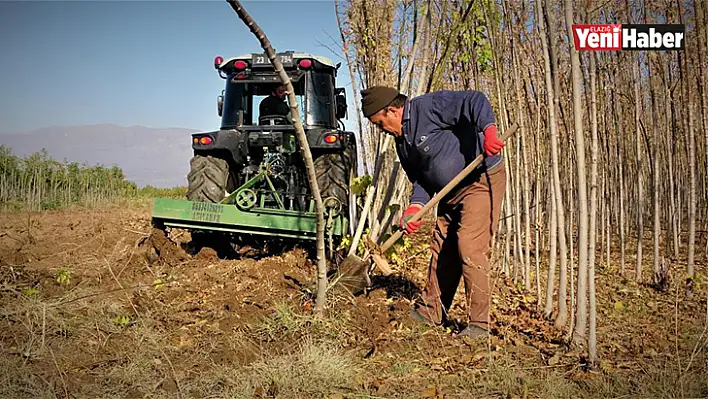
point(247, 184)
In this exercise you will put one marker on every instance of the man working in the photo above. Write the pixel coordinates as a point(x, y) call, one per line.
point(436, 136)
point(275, 103)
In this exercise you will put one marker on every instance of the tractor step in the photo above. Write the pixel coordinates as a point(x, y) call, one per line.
point(207, 216)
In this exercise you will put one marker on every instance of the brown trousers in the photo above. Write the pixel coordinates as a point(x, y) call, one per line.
point(460, 245)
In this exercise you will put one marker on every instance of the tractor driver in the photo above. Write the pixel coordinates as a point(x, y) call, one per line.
point(275, 103)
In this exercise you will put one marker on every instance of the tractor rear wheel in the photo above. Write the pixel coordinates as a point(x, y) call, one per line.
point(207, 179)
point(334, 173)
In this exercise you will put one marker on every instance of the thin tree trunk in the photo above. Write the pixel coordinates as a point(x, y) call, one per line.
point(405, 86)
point(572, 270)
point(522, 253)
point(562, 316)
point(592, 337)
point(521, 143)
point(551, 283)
point(304, 148)
point(703, 88)
point(537, 205)
point(369, 200)
point(402, 29)
point(608, 214)
point(670, 146)
point(620, 164)
point(684, 64)
point(640, 185)
point(357, 105)
point(517, 222)
point(508, 216)
point(692, 192)
point(426, 51)
point(655, 172)
point(581, 316)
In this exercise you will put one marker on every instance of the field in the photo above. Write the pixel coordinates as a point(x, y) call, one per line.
point(88, 309)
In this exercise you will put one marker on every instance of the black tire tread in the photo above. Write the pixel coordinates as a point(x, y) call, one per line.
point(207, 178)
point(332, 171)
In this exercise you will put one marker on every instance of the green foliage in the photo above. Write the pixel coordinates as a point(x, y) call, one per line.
point(121, 321)
point(63, 277)
point(400, 251)
point(39, 182)
point(30, 292)
point(361, 183)
point(393, 208)
point(346, 242)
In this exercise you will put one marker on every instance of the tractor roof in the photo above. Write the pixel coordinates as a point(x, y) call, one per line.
point(321, 59)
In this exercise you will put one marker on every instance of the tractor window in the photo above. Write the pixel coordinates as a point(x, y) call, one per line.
point(242, 100)
point(262, 91)
point(234, 113)
point(320, 92)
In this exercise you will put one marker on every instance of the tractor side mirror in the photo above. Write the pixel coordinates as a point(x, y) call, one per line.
point(341, 103)
point(220, 104)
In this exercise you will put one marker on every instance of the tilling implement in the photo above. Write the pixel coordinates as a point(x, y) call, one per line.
point(354, 270)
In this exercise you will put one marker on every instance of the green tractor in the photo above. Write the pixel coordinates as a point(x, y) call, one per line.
point(248, 184)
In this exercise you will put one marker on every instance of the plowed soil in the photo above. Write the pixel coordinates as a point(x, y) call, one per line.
point(94, 303)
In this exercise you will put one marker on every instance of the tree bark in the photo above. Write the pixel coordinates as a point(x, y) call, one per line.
point(537, 206)
point(654, 156)
point(640, 184)
point(420, 89)
point(553, 253)
point(579, 334)
point(592, 333)
point(671, 148)
point(304, 148)
point(562, 316)
point(524, 149)
point(620, 165)
point(692, 192)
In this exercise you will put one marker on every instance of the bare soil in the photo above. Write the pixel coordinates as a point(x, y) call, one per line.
point(93, 303)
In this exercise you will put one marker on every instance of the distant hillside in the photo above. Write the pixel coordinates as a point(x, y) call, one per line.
point(147, 156)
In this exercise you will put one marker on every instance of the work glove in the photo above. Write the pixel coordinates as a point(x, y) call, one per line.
point(492, 143)
point(410, 227)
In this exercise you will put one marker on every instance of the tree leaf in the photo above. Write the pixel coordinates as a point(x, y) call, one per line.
point(619, 306)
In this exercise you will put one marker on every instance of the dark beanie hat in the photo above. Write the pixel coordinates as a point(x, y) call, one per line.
point(376, 98)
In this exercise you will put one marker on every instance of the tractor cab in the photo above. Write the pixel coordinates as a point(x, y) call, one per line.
point(252, 79)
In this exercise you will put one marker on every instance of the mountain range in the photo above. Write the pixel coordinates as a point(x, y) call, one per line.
point(147, 156)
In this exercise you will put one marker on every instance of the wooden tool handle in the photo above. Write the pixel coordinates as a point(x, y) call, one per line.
point(445, 190)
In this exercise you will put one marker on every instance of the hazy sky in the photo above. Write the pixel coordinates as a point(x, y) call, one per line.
point(144, 63)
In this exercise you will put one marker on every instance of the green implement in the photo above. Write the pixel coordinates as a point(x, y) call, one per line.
point(194, 215)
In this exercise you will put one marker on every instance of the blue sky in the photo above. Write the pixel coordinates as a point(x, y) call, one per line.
point(144, 63)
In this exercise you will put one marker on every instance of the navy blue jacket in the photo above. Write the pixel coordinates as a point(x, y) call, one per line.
point(442, 133)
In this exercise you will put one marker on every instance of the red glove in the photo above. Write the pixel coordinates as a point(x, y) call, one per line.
point(492, 144)
point(408, 215)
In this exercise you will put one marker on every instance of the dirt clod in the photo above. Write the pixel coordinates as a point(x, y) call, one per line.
point(160, 247)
